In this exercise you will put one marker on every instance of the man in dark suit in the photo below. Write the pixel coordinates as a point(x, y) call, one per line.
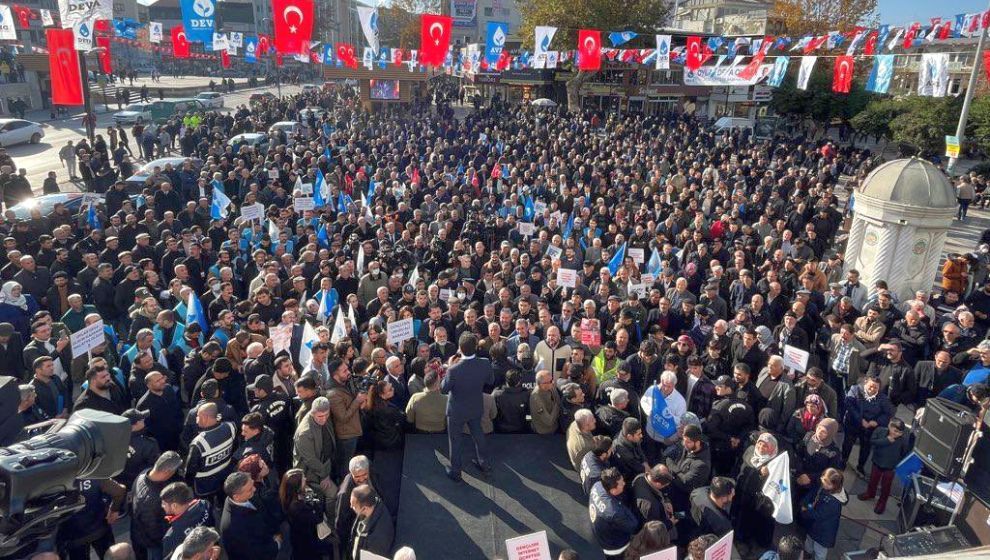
point(464, 383)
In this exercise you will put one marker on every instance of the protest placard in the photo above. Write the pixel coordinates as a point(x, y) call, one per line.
point(303, 203)
point(254, 211)
point(665, 554)
point(528, 547)
point(554, 252)
point(637, 255)
point(526, 229)
point(86, 339)
point(273, 174)
point(721, 550)
point(306, 188)
point(647, 279)
point(591, 334)
point(400, 331)
point(638, 289)
point(281, 337)
point(567, 277)
point(795, 358)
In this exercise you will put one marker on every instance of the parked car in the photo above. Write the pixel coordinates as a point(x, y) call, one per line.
point(259, 97)
point(211, 99)
point(310, 87)
point(257, 140)
point(72, 200)
point(17, 131)
point(156, 111)
point(289, 127)
point(136, 182)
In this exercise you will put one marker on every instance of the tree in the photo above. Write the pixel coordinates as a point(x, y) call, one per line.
point(875, 119)
point(399, 22)
point(818, 102)
point(645, 17)
point(978, 125)
point(818, 17)
point(925, 121)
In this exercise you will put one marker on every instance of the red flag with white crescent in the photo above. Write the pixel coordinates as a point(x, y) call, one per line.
point(589, 50)
point(910, 34)
point(23, 14)
point(842, 74)
point(870, 46)
point(263, 43)
point(692, 58)
point(345, 53)
point(293, 21)
point(106, 64)
point(224, 59)
point(67, 88)
point(434, 39)
point(180, 44)
point(986, 63)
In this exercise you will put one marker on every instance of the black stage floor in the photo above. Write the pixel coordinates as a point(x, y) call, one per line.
point(532, 488)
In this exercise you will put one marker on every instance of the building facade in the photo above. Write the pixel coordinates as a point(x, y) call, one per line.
point(962, 55)
point(725, 17)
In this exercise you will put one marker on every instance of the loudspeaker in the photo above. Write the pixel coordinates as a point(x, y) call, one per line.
point(942, 434)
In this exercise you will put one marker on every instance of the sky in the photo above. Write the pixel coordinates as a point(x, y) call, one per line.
point(906, 11)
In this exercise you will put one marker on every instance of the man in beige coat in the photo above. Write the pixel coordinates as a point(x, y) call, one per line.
point(544, 404)
point(579, 436)
point(427, 410)
point(311, 454)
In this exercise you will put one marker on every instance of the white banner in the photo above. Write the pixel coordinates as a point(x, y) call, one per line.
point(804, 73)
point(722, 549)
point(155, 32)
point(567, 277)
point(933, 74)
point(663, 52)
point(254, 211)
point(795, 358)
point(83, 35)
point(528, 547)
point(778, 488)
point(303, 203)
point(220, 42)
point(400, 331)
point(73, 12)
point(717, 76)
point(46, 18)
point(544, 36)
point(86, 339)
point(369, 24)
point(7, 31)
point(236, 39)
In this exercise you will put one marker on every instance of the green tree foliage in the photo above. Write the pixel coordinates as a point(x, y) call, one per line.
point(818, 102)
point(645, 17)
point(874, 120)
point(924, 122)
point(978, 126)
point(399, 22)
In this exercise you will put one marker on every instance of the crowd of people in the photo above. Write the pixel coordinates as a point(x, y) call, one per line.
point(290, 445)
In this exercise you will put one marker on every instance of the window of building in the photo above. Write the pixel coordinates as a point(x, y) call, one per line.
point(489, 11)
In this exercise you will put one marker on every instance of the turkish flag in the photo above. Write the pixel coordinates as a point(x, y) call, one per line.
point(224, 59)
point(909, 35)
point(842, 75)
point(103, 26)
point(589, 50)
point(293, 24)
point(504, 61)
point(870, 46)
point(434, 39)
point(813, 44)
point(180, 45)
point(23, 15)
point(67, 88)
point(263, 42)
point(693, 53)
point(103, 43)
point(986, 63)
point(278, 59)
point(397, 56)
point(345, 53)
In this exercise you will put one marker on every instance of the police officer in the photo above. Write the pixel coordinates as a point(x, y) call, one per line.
point(256, 438)
point(142, 451)
point(209, 392)
point(276, 414)
point(613, 523)
point(90, 526)
point(594, 462)
point(210, 453)
point(148, 523)
point(730, 419)
point(185, 513)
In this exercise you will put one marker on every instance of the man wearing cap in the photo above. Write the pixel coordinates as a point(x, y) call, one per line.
point(729, 422)
point(256, 439)
point(231, 385)
point(142, 451)
point(277, 415)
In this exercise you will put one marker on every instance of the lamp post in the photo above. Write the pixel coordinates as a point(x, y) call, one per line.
point(278, 73)
point(968, 99)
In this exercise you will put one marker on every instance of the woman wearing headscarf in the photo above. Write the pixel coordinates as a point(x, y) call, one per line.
point(764, 337)
point(805, 419)
point(817, 452)
point(754, 511)
point(17, 308)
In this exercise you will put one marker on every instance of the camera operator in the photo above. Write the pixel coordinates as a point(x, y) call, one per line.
point(90, 527)
point(148, 522)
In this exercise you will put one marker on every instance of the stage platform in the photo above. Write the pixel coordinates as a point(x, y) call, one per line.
point(532, 488)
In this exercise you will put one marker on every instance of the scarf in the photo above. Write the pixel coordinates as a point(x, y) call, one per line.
point(7, 296)
point(813, 444)
point(810, 419)
point(759, 459)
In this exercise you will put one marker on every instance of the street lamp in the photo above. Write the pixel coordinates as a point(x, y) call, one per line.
point(278, 73)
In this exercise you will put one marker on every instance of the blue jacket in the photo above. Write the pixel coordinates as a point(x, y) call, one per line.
point(464, 383)
point(858, 408)
point(820, 512)
point(613, 522)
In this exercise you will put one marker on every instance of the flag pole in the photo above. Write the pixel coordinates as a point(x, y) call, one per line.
point(968, 99)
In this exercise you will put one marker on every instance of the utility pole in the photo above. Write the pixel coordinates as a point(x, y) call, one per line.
point(87, 99)
point(968, 99)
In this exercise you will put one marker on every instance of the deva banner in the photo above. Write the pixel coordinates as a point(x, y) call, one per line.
point(725, 76)
point(198, 18)
point(463, 12)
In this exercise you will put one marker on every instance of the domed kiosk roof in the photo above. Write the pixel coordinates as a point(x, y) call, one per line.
point(911, 182)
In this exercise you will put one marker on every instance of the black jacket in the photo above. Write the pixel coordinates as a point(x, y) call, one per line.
point(248, 534)
point(164, 421)
point(707, 516)
point(148, 523)
point(116, 404)
point(628, 457)
point(199, 514)
point(513, 406)
point(142, 453)
point(610, 421)
point(374, 534)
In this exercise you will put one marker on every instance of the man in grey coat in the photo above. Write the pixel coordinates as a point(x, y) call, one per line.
point(465, 383)
point(313, 450)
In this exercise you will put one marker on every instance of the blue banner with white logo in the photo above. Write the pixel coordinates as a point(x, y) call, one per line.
point(251, 49)
point(495, 40)
point(198, 20)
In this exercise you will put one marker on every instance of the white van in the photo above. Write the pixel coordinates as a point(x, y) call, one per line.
point(729, 123)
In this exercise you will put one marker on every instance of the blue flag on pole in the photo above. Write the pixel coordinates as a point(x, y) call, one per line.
point(326, 152)
point(655, 264)
point(318, 200)
point(92, 218)
point(322, 237)
point(327, 304)
point(221, 202)
point(195, 314)
point(496, 33)
point(343, 201)
point(617, 260)
point(372, 185)
point(251, 50)
point(569, 227)
point(529, 209)
point(198, 19)
point(661, 421)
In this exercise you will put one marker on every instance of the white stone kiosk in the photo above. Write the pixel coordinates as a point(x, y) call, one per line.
point(902, 214)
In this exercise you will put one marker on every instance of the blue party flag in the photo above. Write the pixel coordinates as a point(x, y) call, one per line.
point(195, 314)
point(221, 204)
point(617, 260)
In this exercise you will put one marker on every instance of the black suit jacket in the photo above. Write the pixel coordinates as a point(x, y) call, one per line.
point(464, 383)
